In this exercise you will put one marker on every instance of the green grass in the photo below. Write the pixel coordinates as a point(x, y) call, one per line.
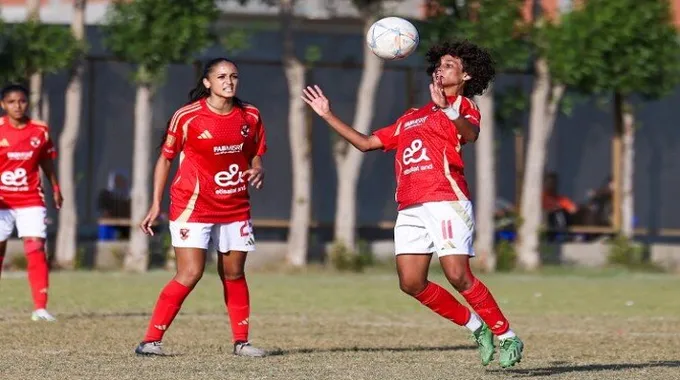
point(325, 325)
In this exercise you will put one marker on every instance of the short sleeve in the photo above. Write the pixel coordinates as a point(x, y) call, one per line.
point(48, 152)
point(260, 139)
point(388, 137)
point(175, 136)
point(471, 113)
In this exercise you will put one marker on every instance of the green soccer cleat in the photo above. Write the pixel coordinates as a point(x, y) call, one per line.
point(511, 351)
point(484, 339)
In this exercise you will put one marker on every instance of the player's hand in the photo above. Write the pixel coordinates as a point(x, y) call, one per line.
point(437, 91)
point(58, 199)
point(150, 218)
point(255, 176)
point(316, 99)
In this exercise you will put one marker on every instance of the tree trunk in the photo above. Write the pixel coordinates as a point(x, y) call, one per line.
point(137, 258)
point(35, 83)
point(545, 100)
point(300, 146)
point(348, 159)
point(68, 216)
point(627, 169)
point(485, 197)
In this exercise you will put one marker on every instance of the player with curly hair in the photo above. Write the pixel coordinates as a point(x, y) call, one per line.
point(435, 211)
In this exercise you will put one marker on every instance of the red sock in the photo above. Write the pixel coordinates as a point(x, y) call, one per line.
point(169, 302)
point(444, 303)
point(237, 300)
point(483, 303)
point(38, 277)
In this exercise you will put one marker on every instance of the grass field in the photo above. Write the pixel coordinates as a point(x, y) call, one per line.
point(324, 325)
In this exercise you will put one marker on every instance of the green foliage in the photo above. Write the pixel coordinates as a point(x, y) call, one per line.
point(236, 40)
point(312, 54)
point(31, 47)
point(506, 256)
point(510, 108)
point(156, 33)
point(629, 254)
point(494, 24)
point(625, 46)
point(343, 259)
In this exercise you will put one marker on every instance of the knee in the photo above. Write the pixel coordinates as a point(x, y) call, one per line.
point(32, 246)
point(460, 279)
point(233, 274)
point(412, 287)
point(189, 276)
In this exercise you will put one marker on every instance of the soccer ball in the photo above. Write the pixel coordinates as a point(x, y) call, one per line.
point(392, 38)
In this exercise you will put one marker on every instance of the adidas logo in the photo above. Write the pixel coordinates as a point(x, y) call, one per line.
point(243, 322)
point(4, 143)
point(161, 327)
point(205, 135)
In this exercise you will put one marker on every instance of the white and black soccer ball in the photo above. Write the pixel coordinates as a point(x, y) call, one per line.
point(392, 38)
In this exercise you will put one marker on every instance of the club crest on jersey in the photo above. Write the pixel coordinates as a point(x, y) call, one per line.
point(35, 142)
point(245, 130)
point(184, 233)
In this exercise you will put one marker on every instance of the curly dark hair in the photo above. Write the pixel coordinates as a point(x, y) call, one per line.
point(477, 63)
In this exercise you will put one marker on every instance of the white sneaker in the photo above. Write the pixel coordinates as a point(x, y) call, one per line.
point(246, 349)
point(42, 315)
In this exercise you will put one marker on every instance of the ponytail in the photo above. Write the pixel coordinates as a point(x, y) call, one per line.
point(199, 92)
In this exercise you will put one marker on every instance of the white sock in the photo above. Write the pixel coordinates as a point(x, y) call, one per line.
point(474, 323)
point(506, 335)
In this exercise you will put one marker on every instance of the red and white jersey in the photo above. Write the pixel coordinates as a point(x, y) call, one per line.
point(428, 163)
point(214, 150)
point(21, 151)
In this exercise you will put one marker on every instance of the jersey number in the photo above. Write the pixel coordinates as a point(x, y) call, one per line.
point(246, 229)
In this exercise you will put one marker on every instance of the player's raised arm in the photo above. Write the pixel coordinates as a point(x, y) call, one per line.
point(468, 130)
point(320, 104)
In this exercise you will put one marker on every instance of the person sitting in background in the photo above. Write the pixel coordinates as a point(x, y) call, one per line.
point(559, 209)
point(114, 203)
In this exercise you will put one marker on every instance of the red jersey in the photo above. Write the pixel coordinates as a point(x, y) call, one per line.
point(21, 151)
point(428, 163)
point(214, 150)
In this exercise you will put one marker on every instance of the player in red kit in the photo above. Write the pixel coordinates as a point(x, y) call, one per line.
point(25, 148)
point(435, 212)
point(220, 141)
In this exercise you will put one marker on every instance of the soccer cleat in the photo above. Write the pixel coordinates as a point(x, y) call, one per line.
point(42, 315)
point(246, 349)
point(511, 351)
point(484, 339)
point(150, 349)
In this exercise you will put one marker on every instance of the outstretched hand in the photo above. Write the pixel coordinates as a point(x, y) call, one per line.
point(316, 99)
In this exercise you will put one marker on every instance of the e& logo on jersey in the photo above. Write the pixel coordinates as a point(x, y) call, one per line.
point(14, 180)
point(415, 153)
point(230, 178)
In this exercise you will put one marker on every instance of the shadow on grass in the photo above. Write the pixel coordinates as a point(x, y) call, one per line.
point(294, 351)
point(562, 369)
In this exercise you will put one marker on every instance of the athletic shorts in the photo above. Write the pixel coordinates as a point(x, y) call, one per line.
point(446, 228)
point(236, 236)
point(29, 221)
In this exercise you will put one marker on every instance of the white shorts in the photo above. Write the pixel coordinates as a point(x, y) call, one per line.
point(236, 236)
point(30, 222)
point(443, 227)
